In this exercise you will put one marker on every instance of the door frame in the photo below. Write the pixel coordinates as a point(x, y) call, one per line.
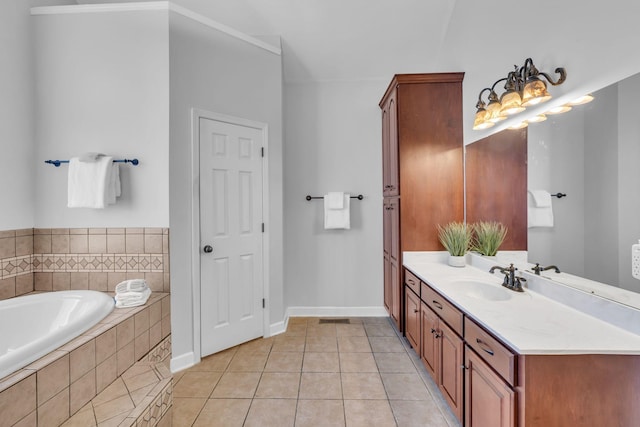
point(196, 115)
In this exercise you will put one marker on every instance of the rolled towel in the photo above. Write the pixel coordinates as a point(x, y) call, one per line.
point(132, 285)
point(132, 299)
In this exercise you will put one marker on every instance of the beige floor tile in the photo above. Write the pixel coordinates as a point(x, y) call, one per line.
point(142, 380)
point(368, 413)
point(237, 385)
point(186, 410)
point(351, 330)
point(394, 362)
point(223, 413)
point(297, 321)
point(410, 413)
point(271, 413)
point(362, 386)
point(321, 330)
point(405, 387)
point(284, 362)
point(248, 362)
point(299, 329)
point(353, 345)
point(322, 344)
point(321, 362)
point(320, 413)
point(314, 385)
point(260, 345)
point(357, 362)
point(114, 421)
point(288, 343)
point(196, 384)
point(386, 345)
point(215, 362)
point(379, 330)
point(278, 385)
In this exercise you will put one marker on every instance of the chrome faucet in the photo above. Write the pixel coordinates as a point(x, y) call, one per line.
point(511, 281)
point(537, 269)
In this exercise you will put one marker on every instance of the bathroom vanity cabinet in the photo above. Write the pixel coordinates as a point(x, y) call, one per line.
point(489, 383)
point(422, 166)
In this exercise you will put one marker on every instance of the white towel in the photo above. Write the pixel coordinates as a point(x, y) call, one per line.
point(539, 216)
point(132, 299)
point(335, 200)
point(114, 184)
point(337, 218)
point(88, 185)
point(541, 198)
point(90, 157)
point(132, 285)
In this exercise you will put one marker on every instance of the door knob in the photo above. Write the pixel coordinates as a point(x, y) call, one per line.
point(208, 249)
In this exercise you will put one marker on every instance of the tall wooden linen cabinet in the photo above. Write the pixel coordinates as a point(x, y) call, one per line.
point(422, 169)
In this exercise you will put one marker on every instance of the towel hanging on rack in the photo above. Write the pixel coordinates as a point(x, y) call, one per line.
point(92, 184)
point(337, 218)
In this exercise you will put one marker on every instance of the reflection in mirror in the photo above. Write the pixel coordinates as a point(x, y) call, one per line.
point(592, 154)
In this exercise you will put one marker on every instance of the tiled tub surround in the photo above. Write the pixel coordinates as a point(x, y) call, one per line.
point(52, 259)
point(51, 389)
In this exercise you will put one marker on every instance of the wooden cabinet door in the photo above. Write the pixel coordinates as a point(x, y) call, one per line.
point(390, 156)
point(412, 319)
point(429, 353)
point(450, 378)
point(393, 282)
point(388, 295)
point(489, 401)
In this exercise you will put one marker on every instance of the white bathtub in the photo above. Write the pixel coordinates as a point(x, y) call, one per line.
point(34, 325)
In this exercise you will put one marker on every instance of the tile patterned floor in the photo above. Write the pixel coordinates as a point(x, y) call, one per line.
point(350, 375)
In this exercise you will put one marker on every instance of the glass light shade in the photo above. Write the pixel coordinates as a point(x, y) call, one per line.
point(559, 109)
point(481, 121)
point(537, 119)
point(535, 92)
point(582, 100)
point(521, 125)
point(493, 112)
point(511, 103)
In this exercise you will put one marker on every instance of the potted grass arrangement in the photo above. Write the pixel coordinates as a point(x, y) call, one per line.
point(456, 239)
point(488, 236)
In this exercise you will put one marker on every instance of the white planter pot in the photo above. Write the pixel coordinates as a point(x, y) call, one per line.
point(457, 261)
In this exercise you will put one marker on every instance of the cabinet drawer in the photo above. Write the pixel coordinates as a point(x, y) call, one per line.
point(499, 357)
point(412, 281)
point(442, 307)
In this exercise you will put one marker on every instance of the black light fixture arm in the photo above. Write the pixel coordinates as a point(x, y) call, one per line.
point(480, 103)
point(561, 79)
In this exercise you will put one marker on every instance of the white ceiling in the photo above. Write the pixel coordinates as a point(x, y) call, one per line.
point(350, 40)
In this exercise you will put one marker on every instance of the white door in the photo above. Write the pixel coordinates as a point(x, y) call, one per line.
point(231, 258)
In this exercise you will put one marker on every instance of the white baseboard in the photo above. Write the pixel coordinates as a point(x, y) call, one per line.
point(335, 312)
point(279, 327)
point(183, 361)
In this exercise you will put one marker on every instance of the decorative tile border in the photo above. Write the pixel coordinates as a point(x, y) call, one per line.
point(72, 263)
point(160, 352)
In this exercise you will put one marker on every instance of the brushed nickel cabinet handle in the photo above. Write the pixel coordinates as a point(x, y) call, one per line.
point(484, 346)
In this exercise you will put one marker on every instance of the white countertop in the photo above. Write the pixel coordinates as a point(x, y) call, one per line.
point(528, 322)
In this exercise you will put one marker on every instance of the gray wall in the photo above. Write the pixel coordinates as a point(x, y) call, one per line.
point(333, 144)
point(103, 90)
point(17, 144)
point(215, 72)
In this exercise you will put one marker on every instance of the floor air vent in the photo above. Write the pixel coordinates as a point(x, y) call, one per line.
point(335, 321)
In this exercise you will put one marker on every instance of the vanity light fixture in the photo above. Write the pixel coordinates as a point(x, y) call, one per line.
point(582, 100)
point(559, 109)
point(520, 125)
point(537, 119)
point(523, 86)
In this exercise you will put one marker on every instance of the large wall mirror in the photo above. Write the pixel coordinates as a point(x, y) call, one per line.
point(592, 154)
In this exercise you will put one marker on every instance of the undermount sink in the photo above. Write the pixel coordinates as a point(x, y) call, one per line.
point(484, 291)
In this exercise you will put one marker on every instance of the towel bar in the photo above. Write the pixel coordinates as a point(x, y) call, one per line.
point(57, 163)
point(359, 197)
point(559, 195)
